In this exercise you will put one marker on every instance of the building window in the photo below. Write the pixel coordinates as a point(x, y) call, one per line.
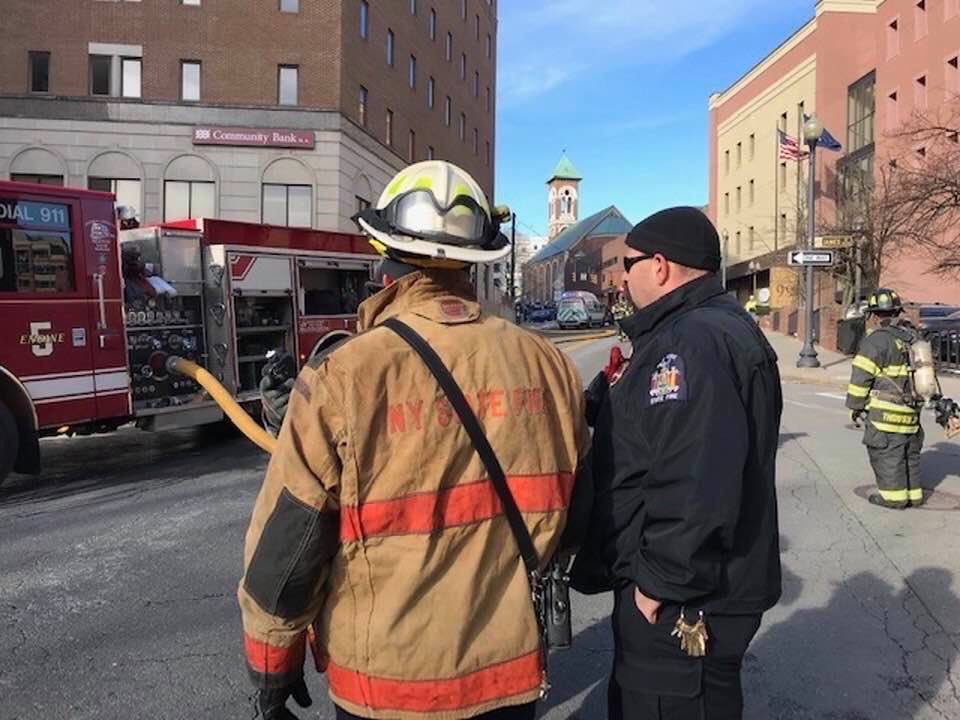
point(446, 111)
point(412, 72)
point(389, 48)
point(100, 74)
point(433, 24)
point(195, 3)
point(726, 162)
point(751, 196)
point(37, 179)
point(783, 122)
point(287, 205)
point(362, 203)
point(489, 45)
point(737, 246)
point(476, 28)
point(188, 199)
point(783, 225)
point(476, 84)
point(893, 38)
point(488, 98)
point(753, 146)
point(39, 72)
point(448, 48)
point(290, 6)
point(893, 111)
point(131, 70)
point(388, 135)
point(362, 106)
point(751, 238)
point(364, 19)
point(412, 146)
point(919, 19)
point(126, 190)
point(739, 155)
point(463, 9)
point(486, 154)
point(463, 127)
point(739, 197)
point(430, 153)
point(920, 93)
point(463, 66)
point(413, 7)
point(431, 86)
point(476, 141)
point(783, 177)
point(287, 84)
point(726, 203)
point(861, 108)
point(189, 80)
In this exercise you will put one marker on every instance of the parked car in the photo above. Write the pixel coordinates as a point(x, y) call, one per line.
point(937, 316)
point(579, 309)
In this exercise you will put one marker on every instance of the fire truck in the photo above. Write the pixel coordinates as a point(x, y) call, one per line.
point(89, 313)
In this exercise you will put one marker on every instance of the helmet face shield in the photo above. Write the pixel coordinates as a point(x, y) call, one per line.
point(418, 214)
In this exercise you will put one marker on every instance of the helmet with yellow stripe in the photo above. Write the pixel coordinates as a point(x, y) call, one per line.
point(434, 213)
point(884, 301)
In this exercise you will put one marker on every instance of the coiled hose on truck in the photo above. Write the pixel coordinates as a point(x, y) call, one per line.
point(231, 408)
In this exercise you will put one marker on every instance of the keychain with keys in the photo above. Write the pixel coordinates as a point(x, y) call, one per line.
point(693, 638)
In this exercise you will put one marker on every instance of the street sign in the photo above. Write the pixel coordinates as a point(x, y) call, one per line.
point(816, 258)
point(833, 241)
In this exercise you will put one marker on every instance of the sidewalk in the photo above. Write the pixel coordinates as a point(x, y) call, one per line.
point(834, 370)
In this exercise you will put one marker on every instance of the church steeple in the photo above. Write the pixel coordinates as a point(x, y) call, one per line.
point(563, 197)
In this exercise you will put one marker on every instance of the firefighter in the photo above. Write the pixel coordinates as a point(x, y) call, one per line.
point(684, 528)
point(376, 540)
point(622, 309)
point(881, 389)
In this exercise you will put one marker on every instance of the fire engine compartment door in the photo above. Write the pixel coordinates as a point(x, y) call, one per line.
point(259, 274)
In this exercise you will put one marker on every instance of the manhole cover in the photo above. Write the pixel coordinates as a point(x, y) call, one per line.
point(932, 499)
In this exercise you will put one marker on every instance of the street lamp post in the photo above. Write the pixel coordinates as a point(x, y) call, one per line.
point(812, 130)
point(754, 267)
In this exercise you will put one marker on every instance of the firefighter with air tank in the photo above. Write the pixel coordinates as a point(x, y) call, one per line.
point(893, 377)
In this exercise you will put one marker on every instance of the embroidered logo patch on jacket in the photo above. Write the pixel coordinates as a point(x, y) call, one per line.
point(668, 381)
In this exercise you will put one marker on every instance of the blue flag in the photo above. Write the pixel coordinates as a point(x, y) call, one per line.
point(826, 140)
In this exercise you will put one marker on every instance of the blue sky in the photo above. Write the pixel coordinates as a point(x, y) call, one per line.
point(623, 86)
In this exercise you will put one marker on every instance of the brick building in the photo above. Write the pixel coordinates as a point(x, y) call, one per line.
point(865, 67)
point(292, 112)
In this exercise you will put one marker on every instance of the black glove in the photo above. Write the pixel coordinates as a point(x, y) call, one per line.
point(946, 409)
point(595, 394)
point(855, 416)
point(273, 703)
point(273, 402)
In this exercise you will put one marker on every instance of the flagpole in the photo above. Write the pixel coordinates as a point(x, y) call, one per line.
point(776, 189)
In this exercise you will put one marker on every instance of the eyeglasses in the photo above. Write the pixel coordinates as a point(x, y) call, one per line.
point(629, 262)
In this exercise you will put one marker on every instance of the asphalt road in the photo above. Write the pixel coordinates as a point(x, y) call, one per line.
point(118, 570)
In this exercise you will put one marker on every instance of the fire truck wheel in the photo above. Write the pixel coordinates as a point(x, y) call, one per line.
point(9, 442)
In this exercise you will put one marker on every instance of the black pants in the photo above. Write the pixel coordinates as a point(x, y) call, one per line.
point(517, 712)
point(653, 679)
point(895, 460)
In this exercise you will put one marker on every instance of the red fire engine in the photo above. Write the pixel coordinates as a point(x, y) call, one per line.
point(88, 315)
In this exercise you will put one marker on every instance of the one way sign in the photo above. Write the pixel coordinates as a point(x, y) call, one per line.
point(817, 258)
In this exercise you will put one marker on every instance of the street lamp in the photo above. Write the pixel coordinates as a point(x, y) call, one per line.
point(754, 267)
point(812, 130)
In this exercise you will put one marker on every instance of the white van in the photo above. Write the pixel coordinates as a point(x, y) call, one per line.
point(579, 309)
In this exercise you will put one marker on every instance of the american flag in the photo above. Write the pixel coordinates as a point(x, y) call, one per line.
point(789, 148)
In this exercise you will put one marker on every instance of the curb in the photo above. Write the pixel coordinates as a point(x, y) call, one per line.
point(579, 338)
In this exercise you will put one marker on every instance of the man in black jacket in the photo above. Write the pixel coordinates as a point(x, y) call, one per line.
point(685, 519)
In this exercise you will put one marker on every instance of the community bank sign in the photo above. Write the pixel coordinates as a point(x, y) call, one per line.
point(253, 137)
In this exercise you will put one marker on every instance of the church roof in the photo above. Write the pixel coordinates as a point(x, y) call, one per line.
point(608, 221)
point(565, 170)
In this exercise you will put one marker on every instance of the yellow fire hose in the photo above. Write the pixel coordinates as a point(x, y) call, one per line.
point(245, 424)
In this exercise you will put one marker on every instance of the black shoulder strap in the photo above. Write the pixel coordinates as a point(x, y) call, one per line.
point(470, 423)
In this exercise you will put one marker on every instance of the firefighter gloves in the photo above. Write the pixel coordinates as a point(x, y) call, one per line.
point(273, 703)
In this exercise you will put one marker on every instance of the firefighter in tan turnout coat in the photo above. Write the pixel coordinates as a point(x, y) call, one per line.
point(376, 540)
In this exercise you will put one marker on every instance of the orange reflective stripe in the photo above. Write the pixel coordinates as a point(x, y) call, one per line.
point(460, 505)
point(273, 660)
point(504, 680)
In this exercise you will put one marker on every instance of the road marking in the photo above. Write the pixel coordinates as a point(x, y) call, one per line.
point(804, 405)
point(832, 396)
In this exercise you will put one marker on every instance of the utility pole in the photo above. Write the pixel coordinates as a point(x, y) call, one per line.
point(513, 257)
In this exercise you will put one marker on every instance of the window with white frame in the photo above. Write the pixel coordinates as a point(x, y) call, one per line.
point(287, 205)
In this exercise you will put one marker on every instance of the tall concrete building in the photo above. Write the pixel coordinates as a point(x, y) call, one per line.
point(864, 67)
point(290, 112)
